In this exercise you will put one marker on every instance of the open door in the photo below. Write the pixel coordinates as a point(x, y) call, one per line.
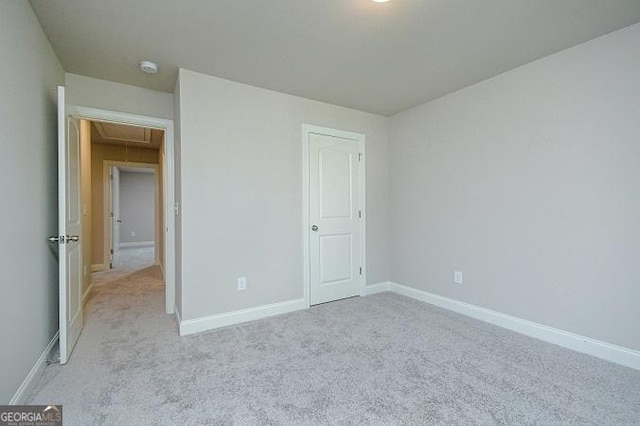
point(69, 227)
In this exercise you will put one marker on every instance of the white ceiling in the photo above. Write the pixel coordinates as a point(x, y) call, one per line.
point(376, 57)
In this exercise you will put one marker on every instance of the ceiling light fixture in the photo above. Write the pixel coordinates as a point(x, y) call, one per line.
point(380, 1)
point(148, 67)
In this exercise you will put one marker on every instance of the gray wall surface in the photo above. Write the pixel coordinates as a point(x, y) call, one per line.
point(29, 75)
point(528, 183)
point(137, 206)
point(102, 94)
point(241, 186)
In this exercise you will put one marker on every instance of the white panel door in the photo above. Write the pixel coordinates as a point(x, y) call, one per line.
point(334, 239)
point(69, 227)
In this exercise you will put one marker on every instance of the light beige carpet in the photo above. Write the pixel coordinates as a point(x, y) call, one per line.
point(382, 359)
point(127, 260)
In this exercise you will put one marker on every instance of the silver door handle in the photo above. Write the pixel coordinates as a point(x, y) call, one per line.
point(55, 239)
point(73, 238)
point(314, 228)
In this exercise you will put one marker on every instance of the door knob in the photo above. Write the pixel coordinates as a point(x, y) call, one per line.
point(119, 221)
point(314, 228)
point(73, 238)
point(54, 239)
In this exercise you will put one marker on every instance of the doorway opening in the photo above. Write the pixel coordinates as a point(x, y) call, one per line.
point(134, 193)
point(127, 197)
point(133, 238)
point(121, 199)
point(80, 208)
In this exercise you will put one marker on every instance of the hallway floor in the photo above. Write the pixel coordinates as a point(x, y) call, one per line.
point(127, 260)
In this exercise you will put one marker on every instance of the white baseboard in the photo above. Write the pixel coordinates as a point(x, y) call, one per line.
point(377, 288)
point(607, 351)
point(99, 267)
point(86, 293)
point(138, 244)
point(35, 373)
point(236, 317)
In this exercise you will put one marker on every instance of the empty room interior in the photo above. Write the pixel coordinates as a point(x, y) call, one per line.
point(336, 212)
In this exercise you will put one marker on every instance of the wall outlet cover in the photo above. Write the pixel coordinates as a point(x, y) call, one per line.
point(242, 283)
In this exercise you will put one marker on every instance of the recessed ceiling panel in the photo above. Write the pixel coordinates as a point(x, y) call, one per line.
point(121, 132)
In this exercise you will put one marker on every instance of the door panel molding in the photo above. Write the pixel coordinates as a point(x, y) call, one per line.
point(307, 131)
point(69, 239)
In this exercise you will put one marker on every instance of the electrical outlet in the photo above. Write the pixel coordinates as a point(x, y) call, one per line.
point(457, 277)
point(133, 233)
point(242, 283)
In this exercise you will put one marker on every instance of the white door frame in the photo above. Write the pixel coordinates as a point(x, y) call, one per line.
point(110, 214)
point(308, 129)
point(107, 202)
point(95, 114)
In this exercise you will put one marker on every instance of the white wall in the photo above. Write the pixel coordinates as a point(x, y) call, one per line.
point(529, 183)
point(241, 183)
point(29, 75)
point(137, 207)
point(102, 94)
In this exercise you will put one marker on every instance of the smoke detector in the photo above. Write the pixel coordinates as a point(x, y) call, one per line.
point(148, 67)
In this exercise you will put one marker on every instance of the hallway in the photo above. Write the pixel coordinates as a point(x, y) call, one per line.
point(127, 260)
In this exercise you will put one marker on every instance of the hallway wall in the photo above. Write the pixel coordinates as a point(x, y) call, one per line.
point(99, 153)
point(137, 207)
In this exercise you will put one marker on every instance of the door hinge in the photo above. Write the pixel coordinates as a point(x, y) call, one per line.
point(111, 214)
point(360, 214)
point(359, 156)
point(111, 251)
point(110, 177)
point(361, 270)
